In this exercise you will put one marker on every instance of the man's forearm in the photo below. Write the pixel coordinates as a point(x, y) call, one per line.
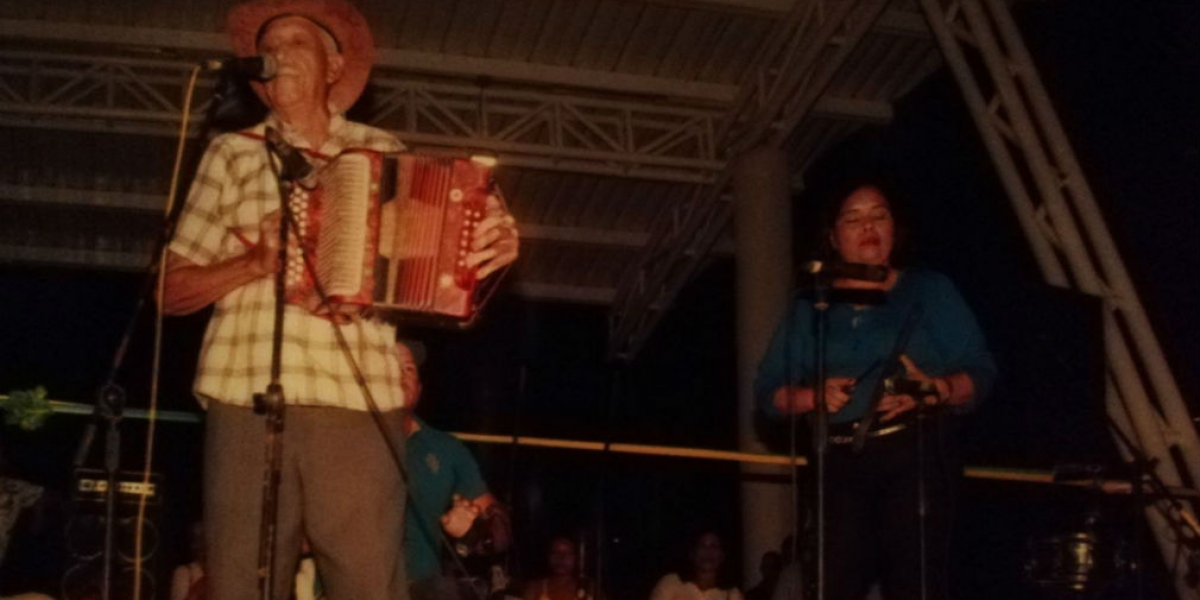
point(190, 287)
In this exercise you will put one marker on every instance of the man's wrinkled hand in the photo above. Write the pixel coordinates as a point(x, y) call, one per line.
point(495, 242)
point(458, 520)
point(264, 256)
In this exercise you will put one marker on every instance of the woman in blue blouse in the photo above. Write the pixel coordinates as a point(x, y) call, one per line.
point(871, 497)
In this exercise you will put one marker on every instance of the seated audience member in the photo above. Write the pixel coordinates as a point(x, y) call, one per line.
point(703, 578)
point(187, 582)
point(769, 566)
point(449, 501)
point(564, 581)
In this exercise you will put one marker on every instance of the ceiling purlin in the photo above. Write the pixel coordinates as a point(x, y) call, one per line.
point(828, 61)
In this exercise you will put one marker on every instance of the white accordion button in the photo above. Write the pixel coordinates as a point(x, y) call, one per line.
point(456, 195)
point(445, 280)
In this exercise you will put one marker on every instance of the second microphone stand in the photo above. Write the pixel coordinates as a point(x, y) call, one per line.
point(823, 296)
point(271, 403)
point(820, 288)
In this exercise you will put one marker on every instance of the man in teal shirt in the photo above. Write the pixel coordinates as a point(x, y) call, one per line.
point(447, 492)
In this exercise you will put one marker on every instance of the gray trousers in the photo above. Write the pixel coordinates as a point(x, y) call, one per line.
point(339, 487)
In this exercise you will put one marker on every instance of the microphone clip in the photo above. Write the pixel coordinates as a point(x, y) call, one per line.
point(845, 270)
point(902, 386)
point(293, 166)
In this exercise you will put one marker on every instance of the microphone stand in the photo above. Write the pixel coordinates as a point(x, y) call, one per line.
point(823, 295)
point(110, 398)
point(271, 403)
point(923, 412)
point(110, 403)
point(1143, 474)
point(820, 419)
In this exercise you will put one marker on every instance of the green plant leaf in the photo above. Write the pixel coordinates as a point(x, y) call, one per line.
point(27, 409)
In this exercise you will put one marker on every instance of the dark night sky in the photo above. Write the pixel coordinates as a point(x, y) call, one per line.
point(1125, 76)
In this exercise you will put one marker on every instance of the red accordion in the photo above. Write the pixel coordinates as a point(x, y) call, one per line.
point(389, 234)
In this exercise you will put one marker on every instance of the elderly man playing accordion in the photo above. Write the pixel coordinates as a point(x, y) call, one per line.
point(339, 486)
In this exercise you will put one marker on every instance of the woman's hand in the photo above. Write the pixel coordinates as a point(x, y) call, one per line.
point(837, 392)
point(800, 400)
point(893, 405)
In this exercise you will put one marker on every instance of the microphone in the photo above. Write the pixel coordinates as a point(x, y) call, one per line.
point(261, 67)
point(846, 270)
point(292, 164)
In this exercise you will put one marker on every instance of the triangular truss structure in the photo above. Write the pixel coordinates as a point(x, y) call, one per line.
point(1072, 243)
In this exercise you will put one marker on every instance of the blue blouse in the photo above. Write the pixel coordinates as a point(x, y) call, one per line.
point(946, 340)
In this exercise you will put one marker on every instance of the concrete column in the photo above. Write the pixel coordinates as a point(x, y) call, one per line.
point(763, 236)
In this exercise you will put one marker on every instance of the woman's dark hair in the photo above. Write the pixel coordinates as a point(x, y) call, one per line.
point(562, 537)
point(831, 202)
point(687, 570)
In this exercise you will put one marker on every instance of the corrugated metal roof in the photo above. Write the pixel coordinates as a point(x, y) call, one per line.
point(582, 228)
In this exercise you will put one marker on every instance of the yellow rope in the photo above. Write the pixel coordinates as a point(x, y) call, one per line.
point(1039, 476)
point(160, 291)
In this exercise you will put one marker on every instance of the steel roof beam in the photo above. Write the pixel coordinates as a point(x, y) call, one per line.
point(584, 235)
point(118, 260)
point(169, 43)
point(143, 202)
point(601, 296)
point(542, 129)
point(893, 21)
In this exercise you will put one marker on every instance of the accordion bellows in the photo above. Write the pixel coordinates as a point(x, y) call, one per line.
point(389, 234)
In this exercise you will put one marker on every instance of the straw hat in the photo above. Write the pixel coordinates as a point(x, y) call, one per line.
point(338, 17)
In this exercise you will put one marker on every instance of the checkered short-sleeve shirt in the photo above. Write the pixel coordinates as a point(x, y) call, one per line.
point(233, 190)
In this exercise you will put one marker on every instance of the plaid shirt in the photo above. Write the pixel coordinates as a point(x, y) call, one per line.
point(233, 190)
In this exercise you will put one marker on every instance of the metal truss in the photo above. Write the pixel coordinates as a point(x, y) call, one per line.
point(129, 250)
point(1070, 240)
point(541, 129)
point(788, 76)
point(559, 131)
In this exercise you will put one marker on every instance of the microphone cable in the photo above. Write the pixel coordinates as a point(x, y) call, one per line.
point(152, 411)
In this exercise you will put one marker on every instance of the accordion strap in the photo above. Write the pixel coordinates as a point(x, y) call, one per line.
point(308, 151)
point(262, 138)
